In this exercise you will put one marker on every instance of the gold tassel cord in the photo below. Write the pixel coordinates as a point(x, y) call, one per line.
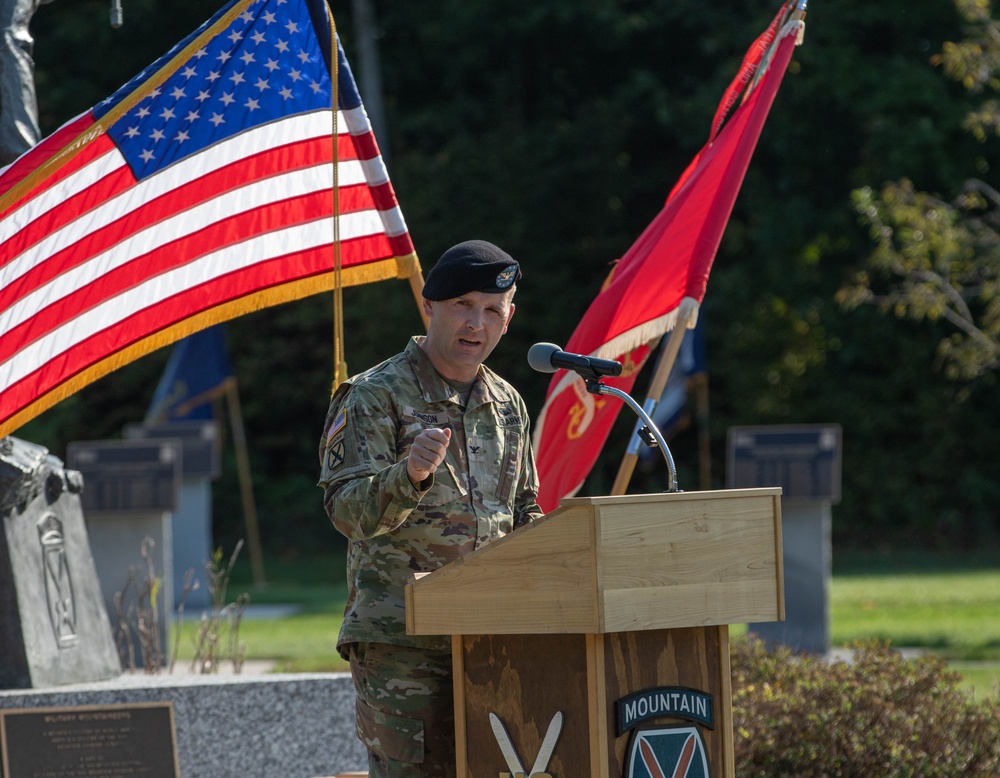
point(340, 365)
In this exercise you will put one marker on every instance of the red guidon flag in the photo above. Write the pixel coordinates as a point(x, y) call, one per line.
point(201, 190)
point(669, 262)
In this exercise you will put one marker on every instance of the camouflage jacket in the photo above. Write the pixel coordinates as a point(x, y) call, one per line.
point(486, 486)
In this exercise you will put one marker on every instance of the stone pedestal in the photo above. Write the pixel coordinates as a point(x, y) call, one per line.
point(805, 533)
point(131, 495)
point(805, 461)
point(191, 522)
point(251, 726)
point(54, 628)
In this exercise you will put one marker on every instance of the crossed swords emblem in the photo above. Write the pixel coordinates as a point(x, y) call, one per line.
point(544, 752)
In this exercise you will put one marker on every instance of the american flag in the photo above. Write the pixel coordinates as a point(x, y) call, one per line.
point(201, 190)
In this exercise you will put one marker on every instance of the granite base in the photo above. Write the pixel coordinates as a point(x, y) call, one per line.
point(239, 726)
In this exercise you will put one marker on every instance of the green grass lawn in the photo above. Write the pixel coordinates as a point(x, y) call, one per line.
point(955, 614)
point(302, 642)
point(948, 606)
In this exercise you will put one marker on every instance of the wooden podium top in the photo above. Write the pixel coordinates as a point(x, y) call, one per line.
point(615, 564)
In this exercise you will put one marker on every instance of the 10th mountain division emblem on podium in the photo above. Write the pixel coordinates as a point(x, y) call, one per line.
point(667, 752)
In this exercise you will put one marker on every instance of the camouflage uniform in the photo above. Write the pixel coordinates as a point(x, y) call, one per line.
point(485, 487)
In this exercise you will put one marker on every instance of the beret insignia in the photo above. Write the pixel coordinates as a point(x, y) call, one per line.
point(506, 277)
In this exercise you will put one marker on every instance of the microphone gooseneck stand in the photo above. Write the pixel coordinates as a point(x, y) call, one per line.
point(650, 434)
point(548, 357)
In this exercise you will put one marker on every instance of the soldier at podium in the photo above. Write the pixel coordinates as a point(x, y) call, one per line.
point(424, 458)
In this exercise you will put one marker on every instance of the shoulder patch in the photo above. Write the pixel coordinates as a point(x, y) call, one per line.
point(335, 455)
point(336, 426)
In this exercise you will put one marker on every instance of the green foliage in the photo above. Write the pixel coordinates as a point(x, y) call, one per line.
point(880, 714)
point(218, 636)
point(943, 262)
point(80, 59)
point(938, 262)
point(974, 62)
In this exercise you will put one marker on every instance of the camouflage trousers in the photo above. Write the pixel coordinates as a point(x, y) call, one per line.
point(405, 710)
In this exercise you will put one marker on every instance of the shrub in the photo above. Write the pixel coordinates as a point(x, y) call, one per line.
point(879, 714)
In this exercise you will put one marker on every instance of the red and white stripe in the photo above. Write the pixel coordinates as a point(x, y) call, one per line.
point(93, 262)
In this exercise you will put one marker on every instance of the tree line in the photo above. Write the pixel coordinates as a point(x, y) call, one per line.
point(556, 130)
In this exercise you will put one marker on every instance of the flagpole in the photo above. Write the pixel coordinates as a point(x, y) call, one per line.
point(246, 487)
point(653, 394)
point(704, 452)
point(339, 359)
point(795, 11)
point(417, 287)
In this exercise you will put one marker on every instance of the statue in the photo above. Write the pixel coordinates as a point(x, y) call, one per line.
point(53, 626)
point(18, 106)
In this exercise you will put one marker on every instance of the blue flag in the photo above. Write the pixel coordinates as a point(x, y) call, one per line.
point(196, 375)
point(672, 404)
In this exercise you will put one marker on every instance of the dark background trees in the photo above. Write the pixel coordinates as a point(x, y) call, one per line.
point(557, 130)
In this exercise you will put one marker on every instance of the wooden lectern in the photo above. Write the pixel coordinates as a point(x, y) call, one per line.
point(594, 642)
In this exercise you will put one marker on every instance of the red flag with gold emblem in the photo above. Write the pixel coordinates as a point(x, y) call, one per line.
point(669, 262)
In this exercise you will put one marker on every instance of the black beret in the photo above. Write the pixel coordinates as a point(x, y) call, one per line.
point(472, 266)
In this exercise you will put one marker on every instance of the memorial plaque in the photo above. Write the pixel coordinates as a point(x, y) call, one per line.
point(804, 460)
point(199, 444)
point(115, 741)
point(127, 475)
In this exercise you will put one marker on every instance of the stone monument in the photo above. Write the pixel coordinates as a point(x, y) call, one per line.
point(804, 460)
point(54, 628)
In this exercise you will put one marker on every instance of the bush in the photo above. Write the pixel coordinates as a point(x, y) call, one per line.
point(877, 715)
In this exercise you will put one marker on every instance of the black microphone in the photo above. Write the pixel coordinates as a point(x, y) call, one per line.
point(548, 357)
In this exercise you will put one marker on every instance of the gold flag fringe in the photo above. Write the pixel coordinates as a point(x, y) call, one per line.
point(275, 295)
